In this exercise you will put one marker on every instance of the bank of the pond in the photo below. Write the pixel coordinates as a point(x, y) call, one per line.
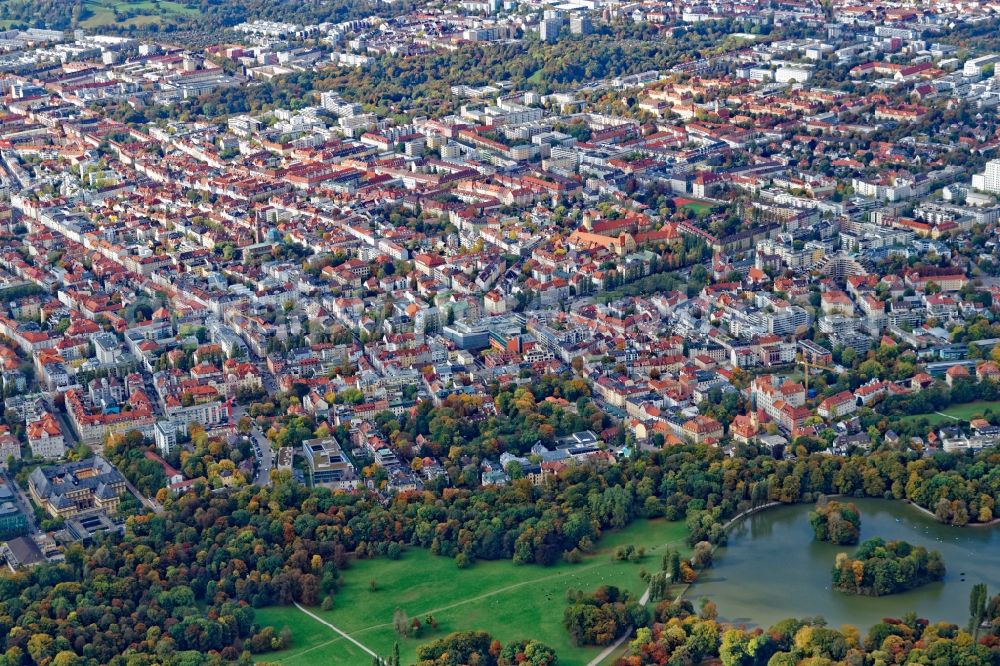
point(772, 569)
point(995, 521)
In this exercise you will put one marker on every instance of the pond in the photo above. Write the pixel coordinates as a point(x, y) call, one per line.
point(773, 569)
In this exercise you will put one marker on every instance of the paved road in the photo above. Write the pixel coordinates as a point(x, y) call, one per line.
point(268, 378)
point(266, 459)
point(68, 434)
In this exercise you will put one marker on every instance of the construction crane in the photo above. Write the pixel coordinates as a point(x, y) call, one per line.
point(809, 365)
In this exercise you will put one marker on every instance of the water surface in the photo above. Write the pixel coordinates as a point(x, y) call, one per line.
point(773, 569)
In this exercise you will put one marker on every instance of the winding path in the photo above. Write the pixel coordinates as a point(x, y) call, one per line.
point(531, 581)
point(572, 572)
point(606, 652)
point(337, 629)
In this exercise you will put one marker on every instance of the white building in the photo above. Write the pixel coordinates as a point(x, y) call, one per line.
point(989, 180)
point(975, 66)
point(165, 435)
point(788, 74)
point(548, 29)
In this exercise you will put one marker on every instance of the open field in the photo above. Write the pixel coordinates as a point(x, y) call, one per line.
point(957, 413)
point(146, 12)
point(312, 643)
point(698, 206)
point(510, 601)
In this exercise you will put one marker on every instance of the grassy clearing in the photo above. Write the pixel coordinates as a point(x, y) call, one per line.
point(933, 419)
point(146, 12)
point(511, 602)
point(956, 413)
point(972, 409)
point(312, 643)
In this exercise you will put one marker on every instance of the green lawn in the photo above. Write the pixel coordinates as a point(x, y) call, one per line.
point(509, 601)
point(698, 208)
point(102, 12)
point(957, 413)
point(972, 409)
point(312, 643)
point(933, 420)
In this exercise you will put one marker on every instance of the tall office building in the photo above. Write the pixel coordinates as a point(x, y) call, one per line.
point(548, 29)
point(989, 180)
point(580, 25)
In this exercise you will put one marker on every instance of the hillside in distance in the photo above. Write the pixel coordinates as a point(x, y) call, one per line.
point(170, 15)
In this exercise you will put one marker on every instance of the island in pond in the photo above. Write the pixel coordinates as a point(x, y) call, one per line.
point(879, 568)
point(836, 522)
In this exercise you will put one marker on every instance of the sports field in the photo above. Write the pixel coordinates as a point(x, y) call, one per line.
point(697, 205)
point(509, 601)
